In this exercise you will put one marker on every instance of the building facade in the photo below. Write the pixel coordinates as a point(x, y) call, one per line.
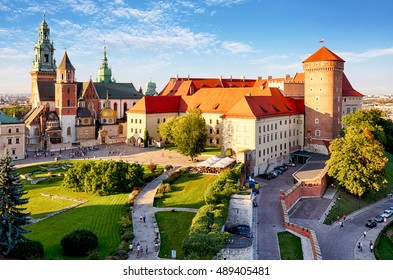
point(12, 137)
point(260, 121)
point(65, 112)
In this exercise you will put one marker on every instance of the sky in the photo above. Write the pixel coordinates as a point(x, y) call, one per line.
point(159, 39)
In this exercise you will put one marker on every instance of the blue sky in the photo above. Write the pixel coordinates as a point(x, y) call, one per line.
point(206, 38)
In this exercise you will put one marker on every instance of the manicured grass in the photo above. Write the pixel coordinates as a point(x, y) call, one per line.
point(99, 214)
point(349, 203)
point(290, 246)
point(212, 151)
point(384, 244)
point(188, 191)
point(174, 228)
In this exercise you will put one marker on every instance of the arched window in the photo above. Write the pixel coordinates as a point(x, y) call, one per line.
point(68, 103)
point(91, 109)
point(120, 129)
point(115, 107)
point(124, 109)
point(68, 131)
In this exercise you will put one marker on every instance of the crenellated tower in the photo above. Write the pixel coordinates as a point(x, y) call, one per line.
point(323, 85)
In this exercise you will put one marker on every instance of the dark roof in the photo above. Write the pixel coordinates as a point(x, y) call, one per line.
point(314, 168)
point(4, 119)
point(83, 113)
point(66, 63)
point(46, 90)
point(117, 90)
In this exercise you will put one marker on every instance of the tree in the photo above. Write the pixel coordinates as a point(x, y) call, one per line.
point(166, 128)
point(12, 217)
point(188, 133)
point(357, 161)
point(375, 120)
point(146, 140)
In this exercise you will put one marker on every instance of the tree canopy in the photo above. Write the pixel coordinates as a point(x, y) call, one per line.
point(12, 216)
point(187, 132)
point(103, 178)
point(357, 159)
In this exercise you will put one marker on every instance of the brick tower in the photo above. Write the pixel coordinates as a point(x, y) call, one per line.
point(66, 99)
point(323, 99)
point(43, 67)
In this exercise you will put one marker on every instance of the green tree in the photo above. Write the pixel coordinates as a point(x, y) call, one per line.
point(146, 139)
point(357, 161)
point(188, 133)
point(166, 128)
point(12, 216)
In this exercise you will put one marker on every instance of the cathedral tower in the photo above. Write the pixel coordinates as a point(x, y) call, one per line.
point(43, 66)
point(66, 99)
point(104, 74)
point(323, 99)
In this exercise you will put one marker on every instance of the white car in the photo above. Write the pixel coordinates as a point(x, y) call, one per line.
point(387, 213)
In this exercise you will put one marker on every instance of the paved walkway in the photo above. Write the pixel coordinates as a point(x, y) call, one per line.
point(146, 231)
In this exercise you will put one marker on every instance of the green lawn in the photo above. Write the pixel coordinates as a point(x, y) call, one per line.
point(290, 246)
point(174, 228)
point(99, 214)
point(188, 191)
point(384, 244)
point(349, 203)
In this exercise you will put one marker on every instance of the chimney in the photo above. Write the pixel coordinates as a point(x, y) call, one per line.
point(287, 76)
point(269, 77)
point(230, 78)
point(243, 78)
point(259, 78)
point(188, 77)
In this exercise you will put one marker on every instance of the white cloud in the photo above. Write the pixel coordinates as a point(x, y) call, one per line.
point(87, 7)
point(356, 57)
point(236, 47)
point(225, 3)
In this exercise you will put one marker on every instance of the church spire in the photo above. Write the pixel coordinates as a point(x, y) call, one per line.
point(105, 72)
point(44, 60)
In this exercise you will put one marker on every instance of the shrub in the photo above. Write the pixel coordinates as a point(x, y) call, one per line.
point(164, 188)
point(168, 167)
point(125, 221)
point(152, 167)
point(203, 246)
point(79, 243)
point(27, 250)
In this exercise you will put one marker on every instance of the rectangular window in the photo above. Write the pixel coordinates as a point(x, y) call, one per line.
point(218, 141)
point(9, 141)
point(211, 131)
point(17, 141)
point(158, 120)
point(217, 131)
point(317, 133)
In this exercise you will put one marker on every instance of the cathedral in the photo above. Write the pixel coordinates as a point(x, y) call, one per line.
point(65, 112)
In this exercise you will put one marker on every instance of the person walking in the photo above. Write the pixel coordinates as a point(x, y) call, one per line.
point(364, 234)
point(146, 250)
point(140, 218)
point(144, 217)
point(131, 247)
point(371, 246)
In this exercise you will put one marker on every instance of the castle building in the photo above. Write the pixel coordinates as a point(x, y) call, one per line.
point(65, 112)
point(260, 121)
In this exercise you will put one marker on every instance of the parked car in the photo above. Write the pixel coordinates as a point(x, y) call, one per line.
point(277, 171)
point(273, 174)
point(378, 219)
point(291, 164)
point(242, 230)
point(387, 213)
point(266, 176)
point(284, 166)
point(391, 208)
point(371, 224)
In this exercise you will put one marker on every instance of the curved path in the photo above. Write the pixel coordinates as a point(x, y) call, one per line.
point(146, 231)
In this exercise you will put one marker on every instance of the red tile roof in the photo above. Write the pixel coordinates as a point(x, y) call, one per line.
point(188, 86)
point(270, 103)
point(159, 104)
point(323, 54)
point(348, 89)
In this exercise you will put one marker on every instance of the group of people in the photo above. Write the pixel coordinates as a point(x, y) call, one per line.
point(138, 248)
point(371, 246)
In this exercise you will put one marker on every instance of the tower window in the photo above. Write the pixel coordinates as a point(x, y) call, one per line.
point(316, 121)
point(46, 58)
point(317, 133)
